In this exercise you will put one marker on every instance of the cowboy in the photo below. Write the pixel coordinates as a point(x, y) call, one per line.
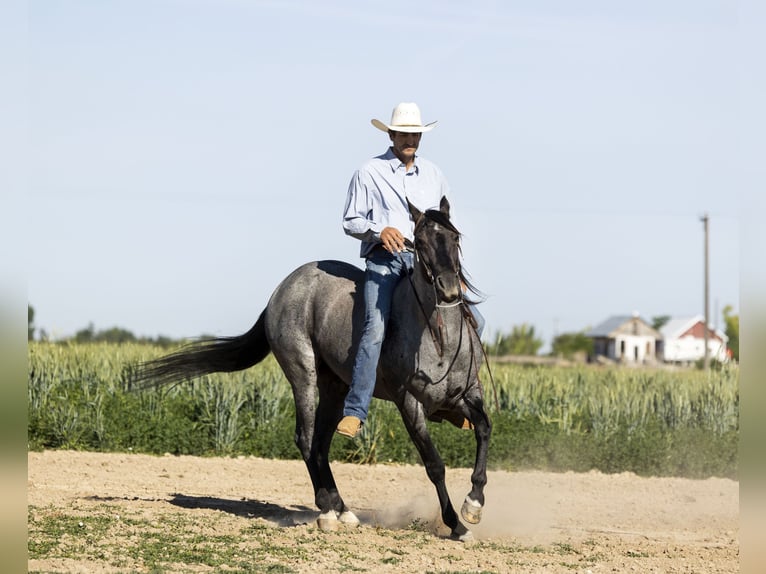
point(376, 212)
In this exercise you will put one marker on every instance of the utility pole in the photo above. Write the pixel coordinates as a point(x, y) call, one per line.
point(705, 222)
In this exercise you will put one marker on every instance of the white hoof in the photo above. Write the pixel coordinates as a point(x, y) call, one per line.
point(467, 537)
point(348, 518)
point(471, 511)
point(328, 521)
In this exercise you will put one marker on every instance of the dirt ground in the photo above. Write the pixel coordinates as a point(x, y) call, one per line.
point(533, 521)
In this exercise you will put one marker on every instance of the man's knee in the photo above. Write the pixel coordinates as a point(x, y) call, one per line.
point(374, 328)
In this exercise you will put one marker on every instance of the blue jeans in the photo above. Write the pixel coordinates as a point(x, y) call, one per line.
point(480, 321)
point(383, 272)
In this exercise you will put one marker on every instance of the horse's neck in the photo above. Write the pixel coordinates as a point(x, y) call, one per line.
point(418, 314)
point(429, 349)
point(417, 301)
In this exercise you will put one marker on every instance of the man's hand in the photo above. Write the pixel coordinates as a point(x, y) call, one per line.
point(392, 240)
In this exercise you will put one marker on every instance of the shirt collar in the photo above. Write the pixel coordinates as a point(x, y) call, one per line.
point(396, 163)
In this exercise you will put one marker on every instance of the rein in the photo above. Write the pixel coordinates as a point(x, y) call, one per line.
point(437, 335)
point(438, 341)
point(465, 314)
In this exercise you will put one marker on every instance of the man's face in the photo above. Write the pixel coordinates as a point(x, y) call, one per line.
point(405, 144)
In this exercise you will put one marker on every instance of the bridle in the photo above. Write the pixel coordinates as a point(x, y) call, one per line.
point(430, 281)
point(437, 336)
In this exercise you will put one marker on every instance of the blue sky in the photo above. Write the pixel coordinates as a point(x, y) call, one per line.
point(184, 156)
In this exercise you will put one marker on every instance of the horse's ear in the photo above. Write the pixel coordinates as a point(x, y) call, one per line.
point(444, 205)
point(414, 212)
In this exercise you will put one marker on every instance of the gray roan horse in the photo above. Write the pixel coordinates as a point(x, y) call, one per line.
point(428, 367)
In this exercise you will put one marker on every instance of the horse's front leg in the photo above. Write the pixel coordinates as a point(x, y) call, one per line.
point(474, 502)
point(415, 422)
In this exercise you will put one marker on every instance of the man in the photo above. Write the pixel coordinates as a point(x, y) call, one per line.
point(376, 212)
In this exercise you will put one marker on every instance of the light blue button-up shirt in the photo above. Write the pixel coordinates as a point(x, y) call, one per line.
point(378, 194)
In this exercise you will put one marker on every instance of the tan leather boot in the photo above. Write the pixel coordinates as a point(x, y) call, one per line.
point(349, 426)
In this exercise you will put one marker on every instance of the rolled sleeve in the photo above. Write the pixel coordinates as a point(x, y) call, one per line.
point(357, 214)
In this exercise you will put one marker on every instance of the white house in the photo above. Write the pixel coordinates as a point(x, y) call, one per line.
point(683, 341)
point(625, 338)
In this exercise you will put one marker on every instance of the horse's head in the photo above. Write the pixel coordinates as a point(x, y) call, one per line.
point(437, 248)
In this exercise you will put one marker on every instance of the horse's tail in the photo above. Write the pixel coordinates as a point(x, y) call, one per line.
point(215, 355)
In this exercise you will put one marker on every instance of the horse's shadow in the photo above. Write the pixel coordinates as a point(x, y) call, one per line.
point(297, 515)
point(293, 515)
point(247, 508)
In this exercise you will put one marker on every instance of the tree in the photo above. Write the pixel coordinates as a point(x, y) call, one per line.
point(567, 344)
point(86, 335)
point(660, 321)
point(520, 341)
point(116, 335)
point(113, 335)
point(732, 330)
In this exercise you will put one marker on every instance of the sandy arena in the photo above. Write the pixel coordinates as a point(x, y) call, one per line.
point(533, 521)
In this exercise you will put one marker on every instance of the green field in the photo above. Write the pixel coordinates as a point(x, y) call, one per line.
point(651, 422)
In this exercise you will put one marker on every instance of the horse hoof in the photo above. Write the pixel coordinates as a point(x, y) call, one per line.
point(348, 518)
point(328, 521)
point(471, 511)
point(462, 534)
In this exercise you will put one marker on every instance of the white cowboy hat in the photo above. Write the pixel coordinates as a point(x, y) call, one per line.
point(405, 118)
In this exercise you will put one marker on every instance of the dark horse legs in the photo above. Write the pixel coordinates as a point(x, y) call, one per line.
point(474, 502)
point(415, 422)
point(315, 423)
point(328, 413)
point(314, 426)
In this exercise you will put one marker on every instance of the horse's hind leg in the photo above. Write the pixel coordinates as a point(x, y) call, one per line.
point(314, 427)
point(329, 411)
point(300, 369)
